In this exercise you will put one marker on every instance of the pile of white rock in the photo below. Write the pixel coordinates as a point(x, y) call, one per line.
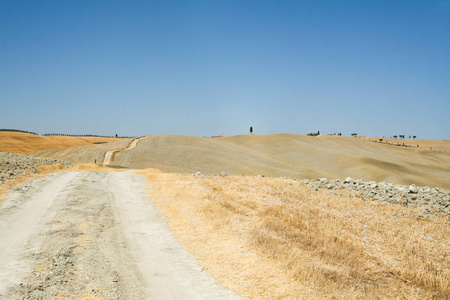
point(14, 165)
point(426, 197)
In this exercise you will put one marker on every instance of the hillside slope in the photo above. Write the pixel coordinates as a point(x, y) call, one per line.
point(442, 145)
point(287, 155)
point(20, 142)
point(82, 154)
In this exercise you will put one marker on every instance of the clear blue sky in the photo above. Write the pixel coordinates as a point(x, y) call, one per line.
point(218, 67)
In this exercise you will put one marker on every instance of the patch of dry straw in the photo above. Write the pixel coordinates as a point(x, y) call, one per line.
point(270, 238)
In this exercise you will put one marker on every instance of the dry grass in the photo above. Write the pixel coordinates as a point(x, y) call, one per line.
point(270, 238)
point(91, 167)
point(77, 167)
point(20, 142)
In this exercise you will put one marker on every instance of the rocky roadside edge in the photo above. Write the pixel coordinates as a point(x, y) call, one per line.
point(13, 165)
point(432, 200)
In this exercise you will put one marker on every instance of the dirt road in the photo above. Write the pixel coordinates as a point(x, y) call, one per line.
point(109, 155)
point(94, 235)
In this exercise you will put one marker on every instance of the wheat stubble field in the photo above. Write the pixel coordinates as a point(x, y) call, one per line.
point(272, 237)
point(20, 142)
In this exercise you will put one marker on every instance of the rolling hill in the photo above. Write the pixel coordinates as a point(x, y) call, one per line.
point(289, 155)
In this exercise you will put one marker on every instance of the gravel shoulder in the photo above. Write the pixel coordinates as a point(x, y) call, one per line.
point(13, 165)
point(94, 235)
point(433, 201)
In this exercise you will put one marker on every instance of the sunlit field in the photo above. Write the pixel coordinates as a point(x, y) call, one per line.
point(272, 238)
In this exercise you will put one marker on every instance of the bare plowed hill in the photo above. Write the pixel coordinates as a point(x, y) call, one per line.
point(83, 154)
point(287, 155)
point(20, 142)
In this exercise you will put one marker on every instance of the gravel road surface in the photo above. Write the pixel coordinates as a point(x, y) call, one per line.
point(94, 235)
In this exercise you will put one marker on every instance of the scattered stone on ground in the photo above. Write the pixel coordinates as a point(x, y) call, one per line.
point(432, 200)
point(13, 165)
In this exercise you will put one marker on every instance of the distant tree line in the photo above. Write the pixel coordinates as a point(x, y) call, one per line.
point(17, 130)
point(318, 133)
point(74, 135)
point(314, 133)
point(402, 136)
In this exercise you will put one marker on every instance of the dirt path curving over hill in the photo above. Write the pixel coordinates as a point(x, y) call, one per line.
point(109, 155)
point(94, 235)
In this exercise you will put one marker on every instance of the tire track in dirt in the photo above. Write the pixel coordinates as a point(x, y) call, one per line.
point(25, 210)
point(94, 235)
point(108, 157)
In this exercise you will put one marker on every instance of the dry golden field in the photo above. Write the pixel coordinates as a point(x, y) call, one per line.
point(271, 238)
point(20, 142)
